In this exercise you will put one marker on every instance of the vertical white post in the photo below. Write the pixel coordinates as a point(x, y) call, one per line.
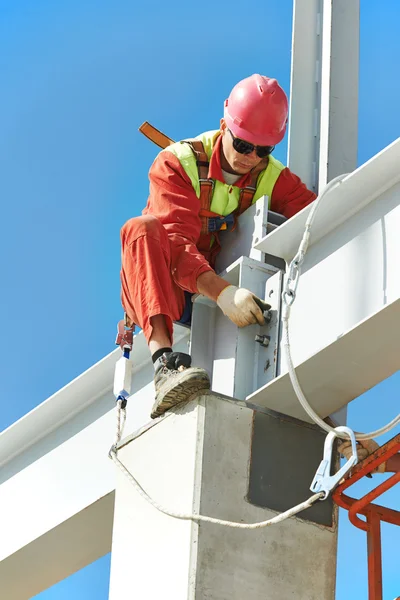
point(324, 90)
point(339, 89)
point(304, 96)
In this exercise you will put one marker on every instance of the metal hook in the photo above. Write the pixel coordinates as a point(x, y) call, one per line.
point(323, 480)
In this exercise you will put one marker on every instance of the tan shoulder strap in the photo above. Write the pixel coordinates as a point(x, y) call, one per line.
point(155, 135)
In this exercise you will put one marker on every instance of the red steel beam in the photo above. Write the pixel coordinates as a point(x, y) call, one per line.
point(373, 461)
point(385, 514)
point(375, 588)
point(364, 468)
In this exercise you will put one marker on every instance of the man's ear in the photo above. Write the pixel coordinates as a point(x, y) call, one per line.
point(222, 125)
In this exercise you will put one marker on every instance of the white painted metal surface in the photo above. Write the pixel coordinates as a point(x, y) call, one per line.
point(60, 552)
point(340, 372)
point(304, 113)
point(338, 128)
point(57, 480)
point(72, 399)
point(349, 292)
point(237, 364)
point(251, 228)
point(323, 116)
point(360, 188)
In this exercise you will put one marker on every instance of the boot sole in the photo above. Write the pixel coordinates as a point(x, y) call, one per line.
point(184, 391)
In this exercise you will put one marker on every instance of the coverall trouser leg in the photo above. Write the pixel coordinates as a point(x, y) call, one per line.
point(148, 288)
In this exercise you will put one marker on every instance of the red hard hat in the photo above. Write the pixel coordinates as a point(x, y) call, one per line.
point(257, 111)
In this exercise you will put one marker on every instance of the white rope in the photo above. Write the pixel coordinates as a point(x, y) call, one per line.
point(288, 298)
point(193, 517)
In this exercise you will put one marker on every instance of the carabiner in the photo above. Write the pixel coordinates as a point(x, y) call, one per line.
point(125, 331)
point(323, 480)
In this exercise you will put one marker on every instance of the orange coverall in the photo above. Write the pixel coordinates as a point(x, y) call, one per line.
point(163, 252)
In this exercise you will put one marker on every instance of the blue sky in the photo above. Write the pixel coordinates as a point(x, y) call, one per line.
point(77, 79)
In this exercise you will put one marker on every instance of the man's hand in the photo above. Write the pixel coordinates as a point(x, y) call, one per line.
point(364, 449)
point(241, 306)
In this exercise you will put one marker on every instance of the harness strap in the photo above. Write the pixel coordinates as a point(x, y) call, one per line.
point(210, 219)
point(155, 135)
point(206, 184)
point(247, 193)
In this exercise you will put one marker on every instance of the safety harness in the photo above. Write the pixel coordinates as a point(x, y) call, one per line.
point(212, 222)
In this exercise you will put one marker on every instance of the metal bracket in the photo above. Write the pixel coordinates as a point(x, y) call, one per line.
point(236, 363)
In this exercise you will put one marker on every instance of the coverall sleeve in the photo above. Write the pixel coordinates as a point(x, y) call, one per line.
point(173, 201)
point(290, 195)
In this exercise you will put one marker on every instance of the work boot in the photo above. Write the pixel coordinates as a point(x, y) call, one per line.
point(176, 381)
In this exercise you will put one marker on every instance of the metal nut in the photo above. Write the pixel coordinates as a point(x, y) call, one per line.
point(263, 340)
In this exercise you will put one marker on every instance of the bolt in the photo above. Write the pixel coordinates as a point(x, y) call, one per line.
point(263, 340)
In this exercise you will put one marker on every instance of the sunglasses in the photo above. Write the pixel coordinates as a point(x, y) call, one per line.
point(246, 148)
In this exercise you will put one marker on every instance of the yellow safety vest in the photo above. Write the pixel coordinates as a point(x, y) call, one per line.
point(220, 198)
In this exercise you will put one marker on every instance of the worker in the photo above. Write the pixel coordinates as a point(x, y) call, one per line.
point(168, 253)
point(364, 449)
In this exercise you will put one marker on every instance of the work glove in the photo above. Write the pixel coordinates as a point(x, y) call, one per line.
point(241, 306)
point(364, 449)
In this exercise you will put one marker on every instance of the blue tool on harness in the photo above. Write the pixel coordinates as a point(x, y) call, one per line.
point(221, 223)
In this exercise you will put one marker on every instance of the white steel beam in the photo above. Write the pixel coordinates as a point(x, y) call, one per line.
point(341, 371)
point(60, 552)
point(344, 324)
point(57, 483)
point(360, 188)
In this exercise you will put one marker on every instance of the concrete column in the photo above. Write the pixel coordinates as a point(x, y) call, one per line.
point(217, 457)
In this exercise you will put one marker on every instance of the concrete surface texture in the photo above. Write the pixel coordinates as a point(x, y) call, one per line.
point(197, 459)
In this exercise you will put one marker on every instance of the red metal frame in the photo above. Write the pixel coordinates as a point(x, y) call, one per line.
point(374, 513)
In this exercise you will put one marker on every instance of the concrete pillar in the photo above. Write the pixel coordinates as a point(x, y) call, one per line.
point(218, 457)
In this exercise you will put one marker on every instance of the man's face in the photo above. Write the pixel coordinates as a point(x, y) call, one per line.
point(232, 161)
